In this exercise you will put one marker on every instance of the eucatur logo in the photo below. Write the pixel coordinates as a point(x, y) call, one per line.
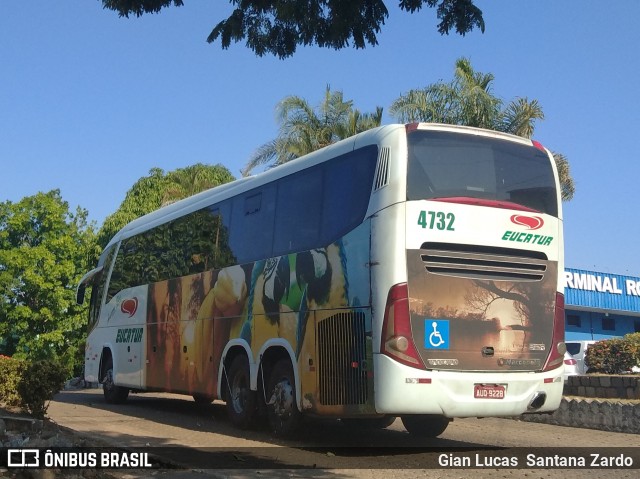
point(129, 306)
point(531, 222)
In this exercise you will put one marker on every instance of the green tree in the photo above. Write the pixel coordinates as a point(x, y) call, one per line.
point(159, 189)
point(44, 251)
point(143, 197)
point(278, 26)
point(468, 100)
point(188, 181)
point(304, 129)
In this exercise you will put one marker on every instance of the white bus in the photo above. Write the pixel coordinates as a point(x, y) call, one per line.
point(410, 271)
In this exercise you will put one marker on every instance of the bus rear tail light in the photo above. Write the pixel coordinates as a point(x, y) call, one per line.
point(397, 340)
point(556, 355)
point(538, 145)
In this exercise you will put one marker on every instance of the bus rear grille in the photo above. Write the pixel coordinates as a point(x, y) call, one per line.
point(484, 262)
point(341, 359)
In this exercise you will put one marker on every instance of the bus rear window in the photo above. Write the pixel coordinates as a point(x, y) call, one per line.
point(446, 164)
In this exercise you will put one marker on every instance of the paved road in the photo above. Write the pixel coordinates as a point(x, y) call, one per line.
point(328, 448)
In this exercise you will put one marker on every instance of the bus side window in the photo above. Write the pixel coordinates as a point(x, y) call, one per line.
point(252, 204)
point(348, 183)
point(299, 212)
point(95, 302)
point(97, 290)
point(118, 274)
point(138, 261)
point(252, 219)
point(221, 254)
point(207, 240)
point(188, 244)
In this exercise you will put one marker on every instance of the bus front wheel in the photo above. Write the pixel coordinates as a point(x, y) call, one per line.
point(112, 394)
point(425, 425)
point(241, 400)
point(282, 408)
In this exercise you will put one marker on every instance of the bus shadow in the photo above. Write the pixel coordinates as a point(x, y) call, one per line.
point(321, 443)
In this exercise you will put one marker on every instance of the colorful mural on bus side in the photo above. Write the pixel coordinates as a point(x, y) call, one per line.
point(191, 319)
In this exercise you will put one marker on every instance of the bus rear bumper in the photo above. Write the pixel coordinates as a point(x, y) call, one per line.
point(402, 390)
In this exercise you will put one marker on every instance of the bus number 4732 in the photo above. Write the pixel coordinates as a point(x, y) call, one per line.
point(436, 219)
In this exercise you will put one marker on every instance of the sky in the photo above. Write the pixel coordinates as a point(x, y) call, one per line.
point(90, 102)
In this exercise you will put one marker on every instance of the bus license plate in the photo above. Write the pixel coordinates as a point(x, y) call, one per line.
point(489, 391)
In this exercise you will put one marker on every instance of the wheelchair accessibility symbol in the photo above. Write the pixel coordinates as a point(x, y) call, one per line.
point(436, 334)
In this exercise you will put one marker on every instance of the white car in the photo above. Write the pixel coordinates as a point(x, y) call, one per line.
point(578, 349)
point(570, 366)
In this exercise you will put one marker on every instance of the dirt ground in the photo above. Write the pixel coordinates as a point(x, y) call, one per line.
point(18, 429)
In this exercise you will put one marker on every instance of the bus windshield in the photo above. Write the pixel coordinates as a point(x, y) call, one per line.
point(449, 165)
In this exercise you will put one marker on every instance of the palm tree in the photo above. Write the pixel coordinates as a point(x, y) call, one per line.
point(567, 186)
point(304, 129)
point(358, 122)
point(468, 100)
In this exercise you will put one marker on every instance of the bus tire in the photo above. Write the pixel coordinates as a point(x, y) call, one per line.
point(282, 407)
point(369, 422)
point(112, 394)
point(241, 400)
point(425, 425)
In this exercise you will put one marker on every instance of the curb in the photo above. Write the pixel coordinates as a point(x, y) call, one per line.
point(593, 413)
point(20, 424)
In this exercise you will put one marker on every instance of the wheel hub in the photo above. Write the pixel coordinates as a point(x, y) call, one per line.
point(283, 398)
point(238, 395)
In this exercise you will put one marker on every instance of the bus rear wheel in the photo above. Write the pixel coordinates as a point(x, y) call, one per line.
point(425, 425)
point(112, 394)
point(241, 400)
point(282, 408)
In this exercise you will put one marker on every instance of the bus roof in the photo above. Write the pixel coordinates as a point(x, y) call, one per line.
point(239, 186)
point(228, 190)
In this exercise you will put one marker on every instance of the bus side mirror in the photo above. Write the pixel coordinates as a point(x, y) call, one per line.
point(88, 278)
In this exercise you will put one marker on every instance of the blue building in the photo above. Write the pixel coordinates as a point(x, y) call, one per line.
point(600, 305)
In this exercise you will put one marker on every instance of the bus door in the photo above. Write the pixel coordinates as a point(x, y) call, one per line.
point(126, 323)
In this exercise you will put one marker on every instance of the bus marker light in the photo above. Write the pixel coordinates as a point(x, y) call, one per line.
point(538, 145)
